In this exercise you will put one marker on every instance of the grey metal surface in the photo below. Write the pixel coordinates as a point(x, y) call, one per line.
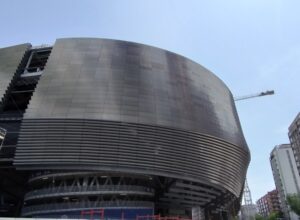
point(120, 106)
point(116, 146)
point(78, 206)
point(128, 82)
point(88, 191)
point(10, 58)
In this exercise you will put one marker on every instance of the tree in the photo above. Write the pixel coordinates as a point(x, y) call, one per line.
point(294, 203)
point(259, 217)
point(274, 216)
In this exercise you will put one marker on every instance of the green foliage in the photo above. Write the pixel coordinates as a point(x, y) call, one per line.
point(274, 216)
point(294, 203)
point(259, 217)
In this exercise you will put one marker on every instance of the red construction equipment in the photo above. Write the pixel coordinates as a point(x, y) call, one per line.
point(158, 217)
point(91, 213)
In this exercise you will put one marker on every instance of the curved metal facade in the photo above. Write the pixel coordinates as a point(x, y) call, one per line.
point(128, 82)
point(108, 105)
point(10, 58)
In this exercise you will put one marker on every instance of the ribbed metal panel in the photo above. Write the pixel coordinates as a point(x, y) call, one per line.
point(54, 208)
point(10, 59)
point(129, 82)
point(107, 105)
point(108, 145)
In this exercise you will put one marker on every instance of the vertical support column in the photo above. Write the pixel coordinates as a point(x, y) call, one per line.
point(197, 213)
point(2, 136)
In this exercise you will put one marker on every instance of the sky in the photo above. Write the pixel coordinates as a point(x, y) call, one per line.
point(252, 45)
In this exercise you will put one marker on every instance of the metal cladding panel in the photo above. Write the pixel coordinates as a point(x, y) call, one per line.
point(10, 59)
point(127, 147)
point(129, 82)
point(109, 104)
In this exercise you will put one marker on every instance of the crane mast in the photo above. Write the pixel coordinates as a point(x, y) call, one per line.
point(249, 209)
point(247, 194)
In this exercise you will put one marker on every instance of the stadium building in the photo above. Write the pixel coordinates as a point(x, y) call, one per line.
point(116, 129)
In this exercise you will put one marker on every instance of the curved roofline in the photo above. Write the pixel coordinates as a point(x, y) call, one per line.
point(155, 47)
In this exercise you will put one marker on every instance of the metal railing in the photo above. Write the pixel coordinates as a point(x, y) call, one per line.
point(83, 205)
point(84, 190)
point(41, 46)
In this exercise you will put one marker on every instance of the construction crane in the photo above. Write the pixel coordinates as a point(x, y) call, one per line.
point(268, 92)
point(248, 210)
point(247, 194)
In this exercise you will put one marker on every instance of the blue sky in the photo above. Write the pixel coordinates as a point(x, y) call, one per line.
point(252, 45)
